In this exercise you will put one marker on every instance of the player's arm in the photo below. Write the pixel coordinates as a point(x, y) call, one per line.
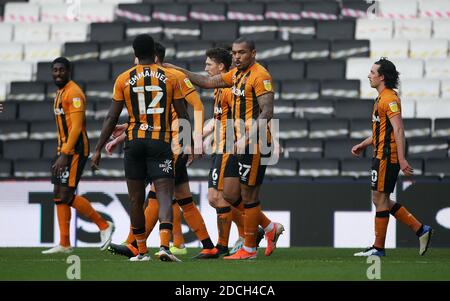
point(399, 135)
point(209, 127)
point(199, 119)
point(205, 82)
point(358, 148)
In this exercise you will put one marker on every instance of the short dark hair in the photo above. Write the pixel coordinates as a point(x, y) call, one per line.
point(64, 61)
point(390, 73)
point(220, 55)
point(250, 43)
point(144, 47)
point(160, 51)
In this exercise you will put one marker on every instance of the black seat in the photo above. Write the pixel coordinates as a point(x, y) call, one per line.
point(22, 149)
point(316, 49)
point(81, 51)
point(91, 71)
point(94, 128)
point(208, 11)
point(319, 167)
point(44, 72)
point(417, 127)
point(416, 164)
point(276, 50)
point(153, 28)
point(133, 12)
point(355, 8)
point(293, 128)
point(117, 152)
point(350, 108)
point(342, 49)
point(182, 31)
point(339, 148)
point(32, 168)
point(35, 111)
point(328, 128)
point(427, 148)
point(283, 11)
point(299, 90)
point(303, 148)
point(32, 91)
point(356, 167)
point(108, 32)
point(200, 168)
point(5, 168)
point(110, 168)
point(13, 130)
point(192, 50)
point(49, 148)
point(9, 111)
point(170, 12)
point(336, 30)
point(297, 30)
point(339, 88)
point(439, 167)
point(325, 69)
point(283, 168)
point(40, 130)
point(245, 11)
point(314, 109)
point(361, 128)
point(286, 70)
point(99, 91)
point(259, 30)
point(284, 110)
point(441, 127)
point(320, 10)
point(226, 31)
point(117, 52)
point(118, 68)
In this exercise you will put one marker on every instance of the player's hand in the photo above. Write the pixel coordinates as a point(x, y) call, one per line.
point(356, 150)
point(277, 150)
point(119, 130)
point(60, 164)
point(111, 145)
point(239, 146)
point(406, 168)
point(95, 161)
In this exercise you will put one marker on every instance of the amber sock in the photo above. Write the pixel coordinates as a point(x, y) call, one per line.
point(403, 215)
point(195, 221)
point(165, 234)
point(252, 220)
point(381, 224)
point(141, 240)
point(84, 207)
point(177, 232)
point(224, 217)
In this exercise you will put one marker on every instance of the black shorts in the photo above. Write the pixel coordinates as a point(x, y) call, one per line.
point(72, 174)
point(222, 166)
point(181, 174)
point(384, 175)
point(148, 159)
point(251, 171)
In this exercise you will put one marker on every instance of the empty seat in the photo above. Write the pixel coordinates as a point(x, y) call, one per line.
point(11, 52)
point(35, 52)
point(19, 71)
point(21, 13)
point(170, 12)
point(118, 68)
point(116, 153)
point(49, 148)
point(226, 31)
point(6, 32)
point(313, 109)
point(5, 168)
point(417, 127)
point(437, 68)
point(317, 49)
point(297, 30)
point(297, 90)
point(208, 11)
point(358, 68)
point(441, 127)
point(366, 91)
point(69, 32)
point(325, 69)
point(391, 48)
point(319, 167)
point(273, 50)
point(102, 109)
point(13, 130)
point(44, 72)
point(36, 111)
point(32, 168)
point(22, 149)
point(283, 168)
point(398, 9)
point(409, 68)
point(350, 108)
point(428, 49)
point(117, 51)
point(199, 168)
point(413, 29)
point(437, 167)
point(420, 88)
point(154, 29)
point(427, 148)
point(328, 128)
point(43, 130)
point(286, 70)
point(58, 13)
point(292, 129)
point(135, 12)
point(360, 128)
point(303, 148)
point(94, 128)
point(284, 110)
point(9, 111)
point(192, 50)
point(333, 30)
point(246, 11)
point(81, 51)
point(441, 28)
point(24, 33)
point(320, 10)
point(339, 88)
point(340, 148)
point(350, 48)
point(99, 91)
point(91, 71)
point(408, 108)
point(27, 91)
point(259, 30)
point(433, 108)
point(97, 12)
point(355, 8)
point(355, 167)
point(283, 11)
point(182, 31)
point(107, 32)
point(374, 29)
point(434, 9)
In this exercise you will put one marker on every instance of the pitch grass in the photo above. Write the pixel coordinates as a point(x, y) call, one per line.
point(284, 264)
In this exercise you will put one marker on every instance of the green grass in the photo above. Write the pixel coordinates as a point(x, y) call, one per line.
point(284, 264)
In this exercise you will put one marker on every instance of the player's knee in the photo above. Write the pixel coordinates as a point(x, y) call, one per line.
point(212, 198)
point(231, 196)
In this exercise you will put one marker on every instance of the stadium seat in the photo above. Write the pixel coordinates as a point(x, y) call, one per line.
point(297, 90)
point(354, 9)
point(35, 52)
point(441, 127)
point(107, 32)
point(297, 30)
point(226, 31)
point(170, 12)
point(398, 9)
point(441, 28)
point(99, 91)
point(154, 29)
point(9, 111)
point(356, 167)
point(350, 48)
point(208, 11)
point(316, 49)
point(420, 88)
point(408, 108)
point(3, 90)
point(5, 168)
point(27, 91)
point(434, 8)
point(22, 149)
point(360, 128)
point(303, 148)
point(6, 32)
point(286, 70)
point(199, 168)
point(69, 32)
point(283, 168)
point(417, 165)
point(246, 11)
point(102, 109)
point(433, 108)
point(319, 167)
point(117, 52)
point(336, 30)
point(409, 68)
point(11, 52)
point(391, 48)
point(44, 72)
point(366, 91)
point(328, 128)
point(134, 12)
point(49, 147)
point(284, 110)
point(19, 71)
point(417, 127)
point(182, 31)
point(275, 50)
point(192, 50)
point(325, 69)
point(412, 29)
point(117, 152)
point(427, 148)
point(21, 13)
point(58, 13)
point(339, 88)
point(97, 12)
point(81, 51)
point(94, 128)
point(41, 130)
point(32, 168)
point(313, 109)
point(118, 68)
point(349, 108)
point(293, 129)
point(358, 68)
point(429, 49)
point(437, 167)
point(368, 29)
point(320, 10)
point(91, 71)
point(13, 130)
point(36, 111)
point(283, 11)
point(259, 30)
point(39, 32)
point(437, 68)
point(339, 148)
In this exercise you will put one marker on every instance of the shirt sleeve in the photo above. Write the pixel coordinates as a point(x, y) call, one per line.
point(118, 90)
point(177, 91)
point(391, 107)
point(74, 101)
point(186, 85)
point(228, 77)
point(263, 84)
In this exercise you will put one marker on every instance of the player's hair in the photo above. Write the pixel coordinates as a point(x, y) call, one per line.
point(144, 47)
point(390, 73)
point(250, 43)
point(220, 55)
point(160, 51)
point(64, 61)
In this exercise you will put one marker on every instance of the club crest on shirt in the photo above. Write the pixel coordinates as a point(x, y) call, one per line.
point(393, 106)
point(267, 85)
point(188, 83)
point(76, 102)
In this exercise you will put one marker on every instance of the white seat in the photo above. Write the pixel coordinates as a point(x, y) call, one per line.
point(398, 9)
point(35, 52)
point(69, 32)
point(56, 13)
point(435, 9)
point(413, 29)
point(441, 29)
point(47, 1)
point(408, 107)
point(437, 68)
point(358, 68)
point(11, 52)
point(390, 48)
point(103, 12)
point(21, 13)
point(374, 29)
point(121, 1)
point(418, 88)
point(427, 49)
point(366, 91)
point(39, 32)
point(3, 90)
point(433, 108)
point(6, 32)
point(445, 88)
point(409, 68)
point(16, 71)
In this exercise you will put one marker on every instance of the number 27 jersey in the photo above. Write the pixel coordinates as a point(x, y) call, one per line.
point(148, 92)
